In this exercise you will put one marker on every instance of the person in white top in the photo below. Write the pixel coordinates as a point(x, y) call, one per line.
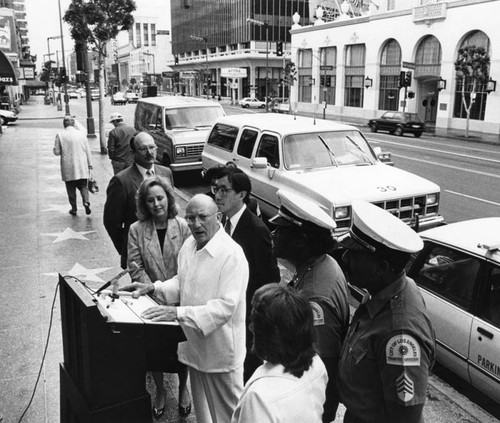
point(290, 386)
point(210, 287)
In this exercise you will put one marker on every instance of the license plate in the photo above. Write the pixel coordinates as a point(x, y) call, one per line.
point(415, 126)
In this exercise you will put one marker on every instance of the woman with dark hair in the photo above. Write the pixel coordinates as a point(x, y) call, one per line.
point(153, 245)
point(290, 385)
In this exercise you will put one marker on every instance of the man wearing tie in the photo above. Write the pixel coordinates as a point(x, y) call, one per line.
point(231, 191)
point(119, 209)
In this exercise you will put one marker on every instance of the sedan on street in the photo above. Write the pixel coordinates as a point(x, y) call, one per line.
point(6, 117)
point(253, 103)
point(398, 123)
point(131, 97)
point(118, 98)
point(458, 273)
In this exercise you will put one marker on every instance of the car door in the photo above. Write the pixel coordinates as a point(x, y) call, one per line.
point(267, 181)
point(447, 278)
point(385, 121)
point(484, 363)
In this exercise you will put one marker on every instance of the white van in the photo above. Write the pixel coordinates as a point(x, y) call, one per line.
point(179, 126)
point(329, 163)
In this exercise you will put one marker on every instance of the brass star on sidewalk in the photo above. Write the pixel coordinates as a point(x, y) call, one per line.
point(69, 233)
point(84, 274)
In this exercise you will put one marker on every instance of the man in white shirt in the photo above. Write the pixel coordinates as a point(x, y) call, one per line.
point(119, 209)
point(210, 287)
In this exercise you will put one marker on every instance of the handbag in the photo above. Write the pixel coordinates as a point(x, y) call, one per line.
point(92, 183)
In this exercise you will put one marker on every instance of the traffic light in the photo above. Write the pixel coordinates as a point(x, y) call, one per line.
point(62, 75)
point(279, 48)
point(328, 82)
point(321, 80)
point(408, 79)
point(402, 77)
point(176, 59)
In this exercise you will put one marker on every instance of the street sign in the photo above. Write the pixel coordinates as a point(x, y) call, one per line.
point(163, 32)
point(409, 65)
point(325, 67)
point(188, 74)
point(233, 73)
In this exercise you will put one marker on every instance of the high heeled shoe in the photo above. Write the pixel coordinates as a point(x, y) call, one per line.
point(184, 411)
point(157, 413)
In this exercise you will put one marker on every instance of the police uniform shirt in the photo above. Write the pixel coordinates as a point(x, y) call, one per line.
point(387, 354)
point(324, 285)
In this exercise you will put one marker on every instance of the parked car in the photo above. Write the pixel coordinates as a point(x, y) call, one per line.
point(253, 103)
point(329, 163)
point(7, 116)
point(179, 126)
point(73, 94)
point(132, 97)
point(280, 105)
point(398, 123)
point(458, 273)
point(118, 98)
point(94, 94)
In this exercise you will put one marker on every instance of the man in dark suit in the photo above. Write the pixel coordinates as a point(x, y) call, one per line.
point(231, 190)
point(119, 209)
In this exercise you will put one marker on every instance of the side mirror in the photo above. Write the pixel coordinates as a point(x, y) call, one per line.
point(259, 163)
point(377, 150)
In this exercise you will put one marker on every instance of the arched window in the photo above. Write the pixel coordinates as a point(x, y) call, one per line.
point(390, 66)
point(478, 39)
point(429, 51)
point(354, 75)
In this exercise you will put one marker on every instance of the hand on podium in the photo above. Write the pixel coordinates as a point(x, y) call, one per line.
point(161, 314)
point(137, 289)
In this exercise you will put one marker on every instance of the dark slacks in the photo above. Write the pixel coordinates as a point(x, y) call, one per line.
point(72, 186)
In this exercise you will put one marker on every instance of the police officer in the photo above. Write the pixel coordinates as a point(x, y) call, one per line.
point(303, 237)
point(390, 344)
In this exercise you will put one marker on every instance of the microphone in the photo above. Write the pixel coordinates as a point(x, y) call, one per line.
point(116, 278)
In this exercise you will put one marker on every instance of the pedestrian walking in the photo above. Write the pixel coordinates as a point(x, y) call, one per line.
point(390, 345)
point(290, 386)
point(120, 205)
point(304, 237)
point(231, 191)
point(119, 143)
point(73, 147)
point(210, 286)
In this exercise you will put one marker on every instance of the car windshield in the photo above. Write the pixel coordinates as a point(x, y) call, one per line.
point(326, 149)
point(191, 117)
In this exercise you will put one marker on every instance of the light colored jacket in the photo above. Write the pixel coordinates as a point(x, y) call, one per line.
point(144, 249)
point(273, 396)
point(73, 147)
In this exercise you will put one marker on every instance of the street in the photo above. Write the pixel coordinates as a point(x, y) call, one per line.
point(40, 239)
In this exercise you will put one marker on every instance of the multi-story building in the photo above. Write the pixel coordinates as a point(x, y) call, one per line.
point(211, 37)
point(351, 58)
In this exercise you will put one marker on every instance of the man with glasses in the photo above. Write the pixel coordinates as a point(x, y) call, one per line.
point(231, 191)
point(119, 209)
point(210, 287)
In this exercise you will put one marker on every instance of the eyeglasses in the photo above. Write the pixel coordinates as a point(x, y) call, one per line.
point(221, 190)
point(146, 148)
point(203, 218)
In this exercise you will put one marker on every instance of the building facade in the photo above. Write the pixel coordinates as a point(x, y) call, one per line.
point(351, 58)
point(211, 36)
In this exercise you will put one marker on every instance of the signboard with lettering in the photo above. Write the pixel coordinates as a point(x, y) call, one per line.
point(233, 72)
point(29, 73)
point(163, 32)
point(409, 65)
point(188, 74)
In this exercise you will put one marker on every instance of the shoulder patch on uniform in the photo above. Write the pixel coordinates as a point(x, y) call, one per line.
point(405, 387)
point(318, 314)
point(403, 350)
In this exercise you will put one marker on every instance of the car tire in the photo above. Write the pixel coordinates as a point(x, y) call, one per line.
point(417, 134)
point(398, 131)
point(373, 127)
point(262, 107)
point(3, 121)
point(246, 106)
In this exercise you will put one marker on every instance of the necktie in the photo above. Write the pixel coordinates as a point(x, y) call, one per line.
point(227, 227)
point(149, 173)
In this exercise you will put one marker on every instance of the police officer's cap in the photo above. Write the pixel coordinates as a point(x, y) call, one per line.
point(301, 212)
point(115, 116)
point(374, 229)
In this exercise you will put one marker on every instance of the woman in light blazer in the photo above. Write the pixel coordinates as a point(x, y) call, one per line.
point(154, 242)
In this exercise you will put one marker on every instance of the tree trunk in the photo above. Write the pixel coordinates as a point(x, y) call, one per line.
point(102, 133)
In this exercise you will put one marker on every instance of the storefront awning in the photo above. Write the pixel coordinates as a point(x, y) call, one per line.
point(7, 72)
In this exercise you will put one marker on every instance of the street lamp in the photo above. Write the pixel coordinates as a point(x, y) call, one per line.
point(266, 26)
point(205, 39)
point(50, 54)
point(66, 99)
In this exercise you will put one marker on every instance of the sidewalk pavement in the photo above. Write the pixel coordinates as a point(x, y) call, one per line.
point(41, 239)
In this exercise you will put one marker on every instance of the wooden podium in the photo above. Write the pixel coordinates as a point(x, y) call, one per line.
point(107, 350)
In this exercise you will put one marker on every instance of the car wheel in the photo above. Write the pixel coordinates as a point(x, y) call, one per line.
point(262, 107)
point(417, 134)
point(3, 121)
point(246, 106)
point(373, 127)
point(398, 131)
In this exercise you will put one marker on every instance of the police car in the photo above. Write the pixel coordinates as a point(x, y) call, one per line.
point(458, 272)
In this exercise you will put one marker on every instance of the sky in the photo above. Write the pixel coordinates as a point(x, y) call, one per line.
point(43, 22)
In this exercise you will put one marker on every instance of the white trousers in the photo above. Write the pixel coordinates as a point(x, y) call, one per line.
point(215, 395)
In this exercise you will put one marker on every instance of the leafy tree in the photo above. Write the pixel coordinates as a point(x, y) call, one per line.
point(290, 73)
point(472, 67)
point(96, 22)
